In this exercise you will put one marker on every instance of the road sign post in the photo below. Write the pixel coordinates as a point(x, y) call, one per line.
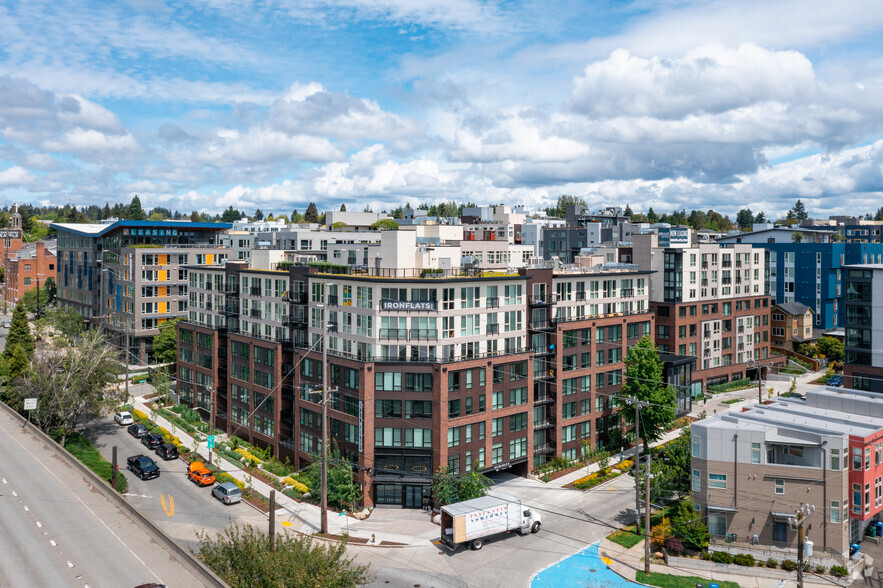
point(210, 443)
point(30, 406)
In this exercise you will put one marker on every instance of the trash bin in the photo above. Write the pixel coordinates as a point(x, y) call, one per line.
point(854, 548)
point(871, 531)
point(879, 525)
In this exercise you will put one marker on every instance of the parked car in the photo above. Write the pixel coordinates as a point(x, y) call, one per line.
point(137, 430)
point(200, 474)
point(228, 493)
point(6, 324)
point(835, 381)
point(143, 467)
point(123, 417)
point(167, 451)
point(151, 440)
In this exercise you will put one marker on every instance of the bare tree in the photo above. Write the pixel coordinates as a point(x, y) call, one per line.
point(71, 383)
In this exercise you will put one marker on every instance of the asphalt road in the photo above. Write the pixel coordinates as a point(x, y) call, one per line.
point(56, 530)
point(571, 520)
point(177, 505)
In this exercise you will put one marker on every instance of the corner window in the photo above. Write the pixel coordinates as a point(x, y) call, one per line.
point(697, 444)
point(697, 481)
point(755, 453)
point(835, 460)
point(835, 511)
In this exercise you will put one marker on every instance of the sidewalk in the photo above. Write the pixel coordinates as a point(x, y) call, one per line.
point(626, 562)
point(305, 518)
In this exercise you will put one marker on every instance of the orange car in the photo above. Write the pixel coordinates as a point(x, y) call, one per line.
point(200, 474)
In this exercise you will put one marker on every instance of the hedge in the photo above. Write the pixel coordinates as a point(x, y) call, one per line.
point(730, 386)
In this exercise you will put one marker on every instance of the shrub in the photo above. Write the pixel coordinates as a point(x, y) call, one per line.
point(248, 456)
point(140, 416)
point(296, 485)
point(820, 569)
point(744, 559)
point(772, 563)
point(730, 386)
point(789, 565)
point(839, 571)
point(276, 468)
point(222, 477)
point(625, 465)
point(721, 557)
point(674, 545)
point(706, 556)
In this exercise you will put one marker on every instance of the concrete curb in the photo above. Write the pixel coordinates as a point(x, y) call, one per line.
point(186, 558)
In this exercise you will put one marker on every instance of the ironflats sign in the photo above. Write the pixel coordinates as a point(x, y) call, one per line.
point(408, 305)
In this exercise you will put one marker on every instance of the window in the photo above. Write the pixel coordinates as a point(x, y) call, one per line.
point(387, 437)
point(517, 396)
point(857, 498)
point(517, 448)
point(755, 453)
point(454, 463)
point(835, 511)
point(780, 532)
point(497, 452)
point(387, 409)
point(568, 434)
point(878, 453)
point(497, 427)
point(497, 400)
point(697, 444)
point(453, 436)
point(780, 486)
point(856, 458)
point(697, 481)
point(518, 422)
point(717, 525)
point(835, 460)
point(717, 480)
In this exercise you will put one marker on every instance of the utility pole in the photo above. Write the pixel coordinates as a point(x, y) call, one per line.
point(647, 516)
point(272, 520)
point(639, 404)
point(326, 381)
point(113, 468)
point(802, 516)
point(38, 297)
point(126, 355)
point(211, 431)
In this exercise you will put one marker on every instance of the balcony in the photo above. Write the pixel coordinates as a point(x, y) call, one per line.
point(418, 334)
point(332, 300)
point(493, 329)
point(544, 398)
point(230, 311)
point(493, 302)
point(208, 286)
point(541, 325)
point(627, 293)
point(298, 322)
point(209, 306)
point(254, 313)
point(544, 424)
point(541, 449)
point(543, 300)
point(255, 291)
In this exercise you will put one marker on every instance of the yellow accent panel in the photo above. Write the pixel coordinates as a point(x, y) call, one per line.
point(164, 259)
point(162, 306)
point(163, 291)
point(210, 258)
point(161, 321)
point(163, 275)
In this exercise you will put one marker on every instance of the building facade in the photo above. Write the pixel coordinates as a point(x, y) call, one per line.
point(500, 370)
point(129, 277)
point(29, 268)
point(863, 369)
point(792, 323)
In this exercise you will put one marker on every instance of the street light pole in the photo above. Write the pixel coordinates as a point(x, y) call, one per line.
point(325, 383)
point(211, 419)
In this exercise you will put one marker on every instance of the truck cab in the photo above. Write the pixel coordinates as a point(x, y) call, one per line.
point(530, 521)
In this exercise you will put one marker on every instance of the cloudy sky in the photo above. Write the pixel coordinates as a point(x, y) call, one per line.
point(203, 104)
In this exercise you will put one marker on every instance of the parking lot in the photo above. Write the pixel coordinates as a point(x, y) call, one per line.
point(177, 505)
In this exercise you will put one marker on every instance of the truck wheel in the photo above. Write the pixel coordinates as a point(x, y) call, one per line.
point(535, 528)
point(477, 544)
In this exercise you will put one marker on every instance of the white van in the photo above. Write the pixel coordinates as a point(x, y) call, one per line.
point(228, 493)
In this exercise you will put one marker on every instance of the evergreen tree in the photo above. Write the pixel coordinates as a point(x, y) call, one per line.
point(760, 218)
point(135, 210)
point(296, 217)
point(745, 218)
point(799, 211)
point(18, 363)
point(312, 213)
point(879, 215)
point(652, 217)
point(105, 212)
point(231, 215)
point(628, 211)
point(19, 333)
point(258, 215)
point(343, 208)
point(194, 217)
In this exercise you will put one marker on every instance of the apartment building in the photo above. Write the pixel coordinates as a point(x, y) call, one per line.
point(130, 277)
point(29, 268)
point(863, 369)
point(709, 303)
point(751, 471)
point(489, 370)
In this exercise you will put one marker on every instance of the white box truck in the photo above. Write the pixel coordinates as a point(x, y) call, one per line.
point(471, 522)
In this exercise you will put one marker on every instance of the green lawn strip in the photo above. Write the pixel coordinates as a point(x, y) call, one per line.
point(625, 538)
point(732, 401)
point(668, 581)
point(83, 449)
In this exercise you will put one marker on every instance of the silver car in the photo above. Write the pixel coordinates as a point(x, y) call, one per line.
point(123, 417)
point(228, 493)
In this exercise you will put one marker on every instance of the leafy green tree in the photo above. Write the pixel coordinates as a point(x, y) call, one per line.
point(51, 289)
point(342, 488)
point(385, 224)
point(29, 300)
point(296, 217)
point(71, 383)
point(19, 333)
point(155, 217)
point(831, 348)
point(165, 343)
point(797, 236)
point(338, 226)
point(312, 213)
point(643, 382)
point(473, 484)
point(687, 524)
point(64, 319)
point(241, 556)
point(445, 487)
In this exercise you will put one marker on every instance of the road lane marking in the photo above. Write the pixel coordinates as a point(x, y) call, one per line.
point(286, 524)
point(39, 524)
point(4, 481)
point(70, 565)
point(14, 493)
point(170, 510)
point(139, 495)
point(26, 508)
point(53, 543)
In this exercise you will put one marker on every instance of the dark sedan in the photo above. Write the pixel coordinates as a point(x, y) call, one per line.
point(151, 440)
point(167, 451)
point(137, 430)
point(143, 467)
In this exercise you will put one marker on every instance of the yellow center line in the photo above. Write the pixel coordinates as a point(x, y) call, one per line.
point(170, 510)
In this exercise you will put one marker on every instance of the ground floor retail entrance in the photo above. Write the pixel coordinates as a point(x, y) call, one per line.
point(404, 494)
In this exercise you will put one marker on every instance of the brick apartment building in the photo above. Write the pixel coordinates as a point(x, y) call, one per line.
point(29, 267)
point(493, 370)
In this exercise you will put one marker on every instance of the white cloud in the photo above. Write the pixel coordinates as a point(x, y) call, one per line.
point(16, 176)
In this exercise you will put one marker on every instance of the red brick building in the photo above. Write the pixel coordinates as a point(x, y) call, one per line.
point(29, 267)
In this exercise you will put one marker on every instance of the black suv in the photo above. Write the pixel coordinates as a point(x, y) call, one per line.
point(167, 451)
point(137, 430)
point(151, 440)
point(143, 467)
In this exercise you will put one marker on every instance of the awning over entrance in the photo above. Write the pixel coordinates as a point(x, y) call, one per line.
point(783, 517)
point(722, 508)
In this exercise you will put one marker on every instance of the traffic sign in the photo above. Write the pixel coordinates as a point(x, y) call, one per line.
point(30, 404)
point(210, 441)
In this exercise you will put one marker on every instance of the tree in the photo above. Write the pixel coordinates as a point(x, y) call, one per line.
point(165, 343)
point(19, 333)
point(385, 224)
point(879, 215)
point(643, 382)
point(155, 216)
point(445, 489)
point(296, 217)
point(29, 300)
point(799, 211)
point(162, 383)
point(135, 212)
point(241, 556)
point(688, 525)
point(312, 213)
point(258, 215)
point(796, 236)
point(18, 364)
point(71, 383)
point(230, 215)
point(194, 217)
point(64, 319)
point(342, 488)
point(760, 218)
point(473, 484)
point(338, 226)
point(652, 217)
point(628, 211)
point(831, 348)
point(343, 208)
point(51, 289)
point(745, 218)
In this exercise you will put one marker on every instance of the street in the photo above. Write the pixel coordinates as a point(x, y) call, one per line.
point(55, 530)
point(177, 505)
point(571, 520)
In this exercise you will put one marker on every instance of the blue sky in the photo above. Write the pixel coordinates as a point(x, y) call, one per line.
point(673, 104)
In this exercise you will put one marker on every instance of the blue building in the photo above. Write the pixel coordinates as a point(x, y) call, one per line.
point(812, 273)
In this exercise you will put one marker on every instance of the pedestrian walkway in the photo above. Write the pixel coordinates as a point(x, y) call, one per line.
point(407, 529)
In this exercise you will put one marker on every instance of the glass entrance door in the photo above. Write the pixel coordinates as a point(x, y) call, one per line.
point(413, 496)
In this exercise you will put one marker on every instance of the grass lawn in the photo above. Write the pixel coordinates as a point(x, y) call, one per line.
point(626, 538)
point(732, 401)
point(667, 581)
point(86, 452)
